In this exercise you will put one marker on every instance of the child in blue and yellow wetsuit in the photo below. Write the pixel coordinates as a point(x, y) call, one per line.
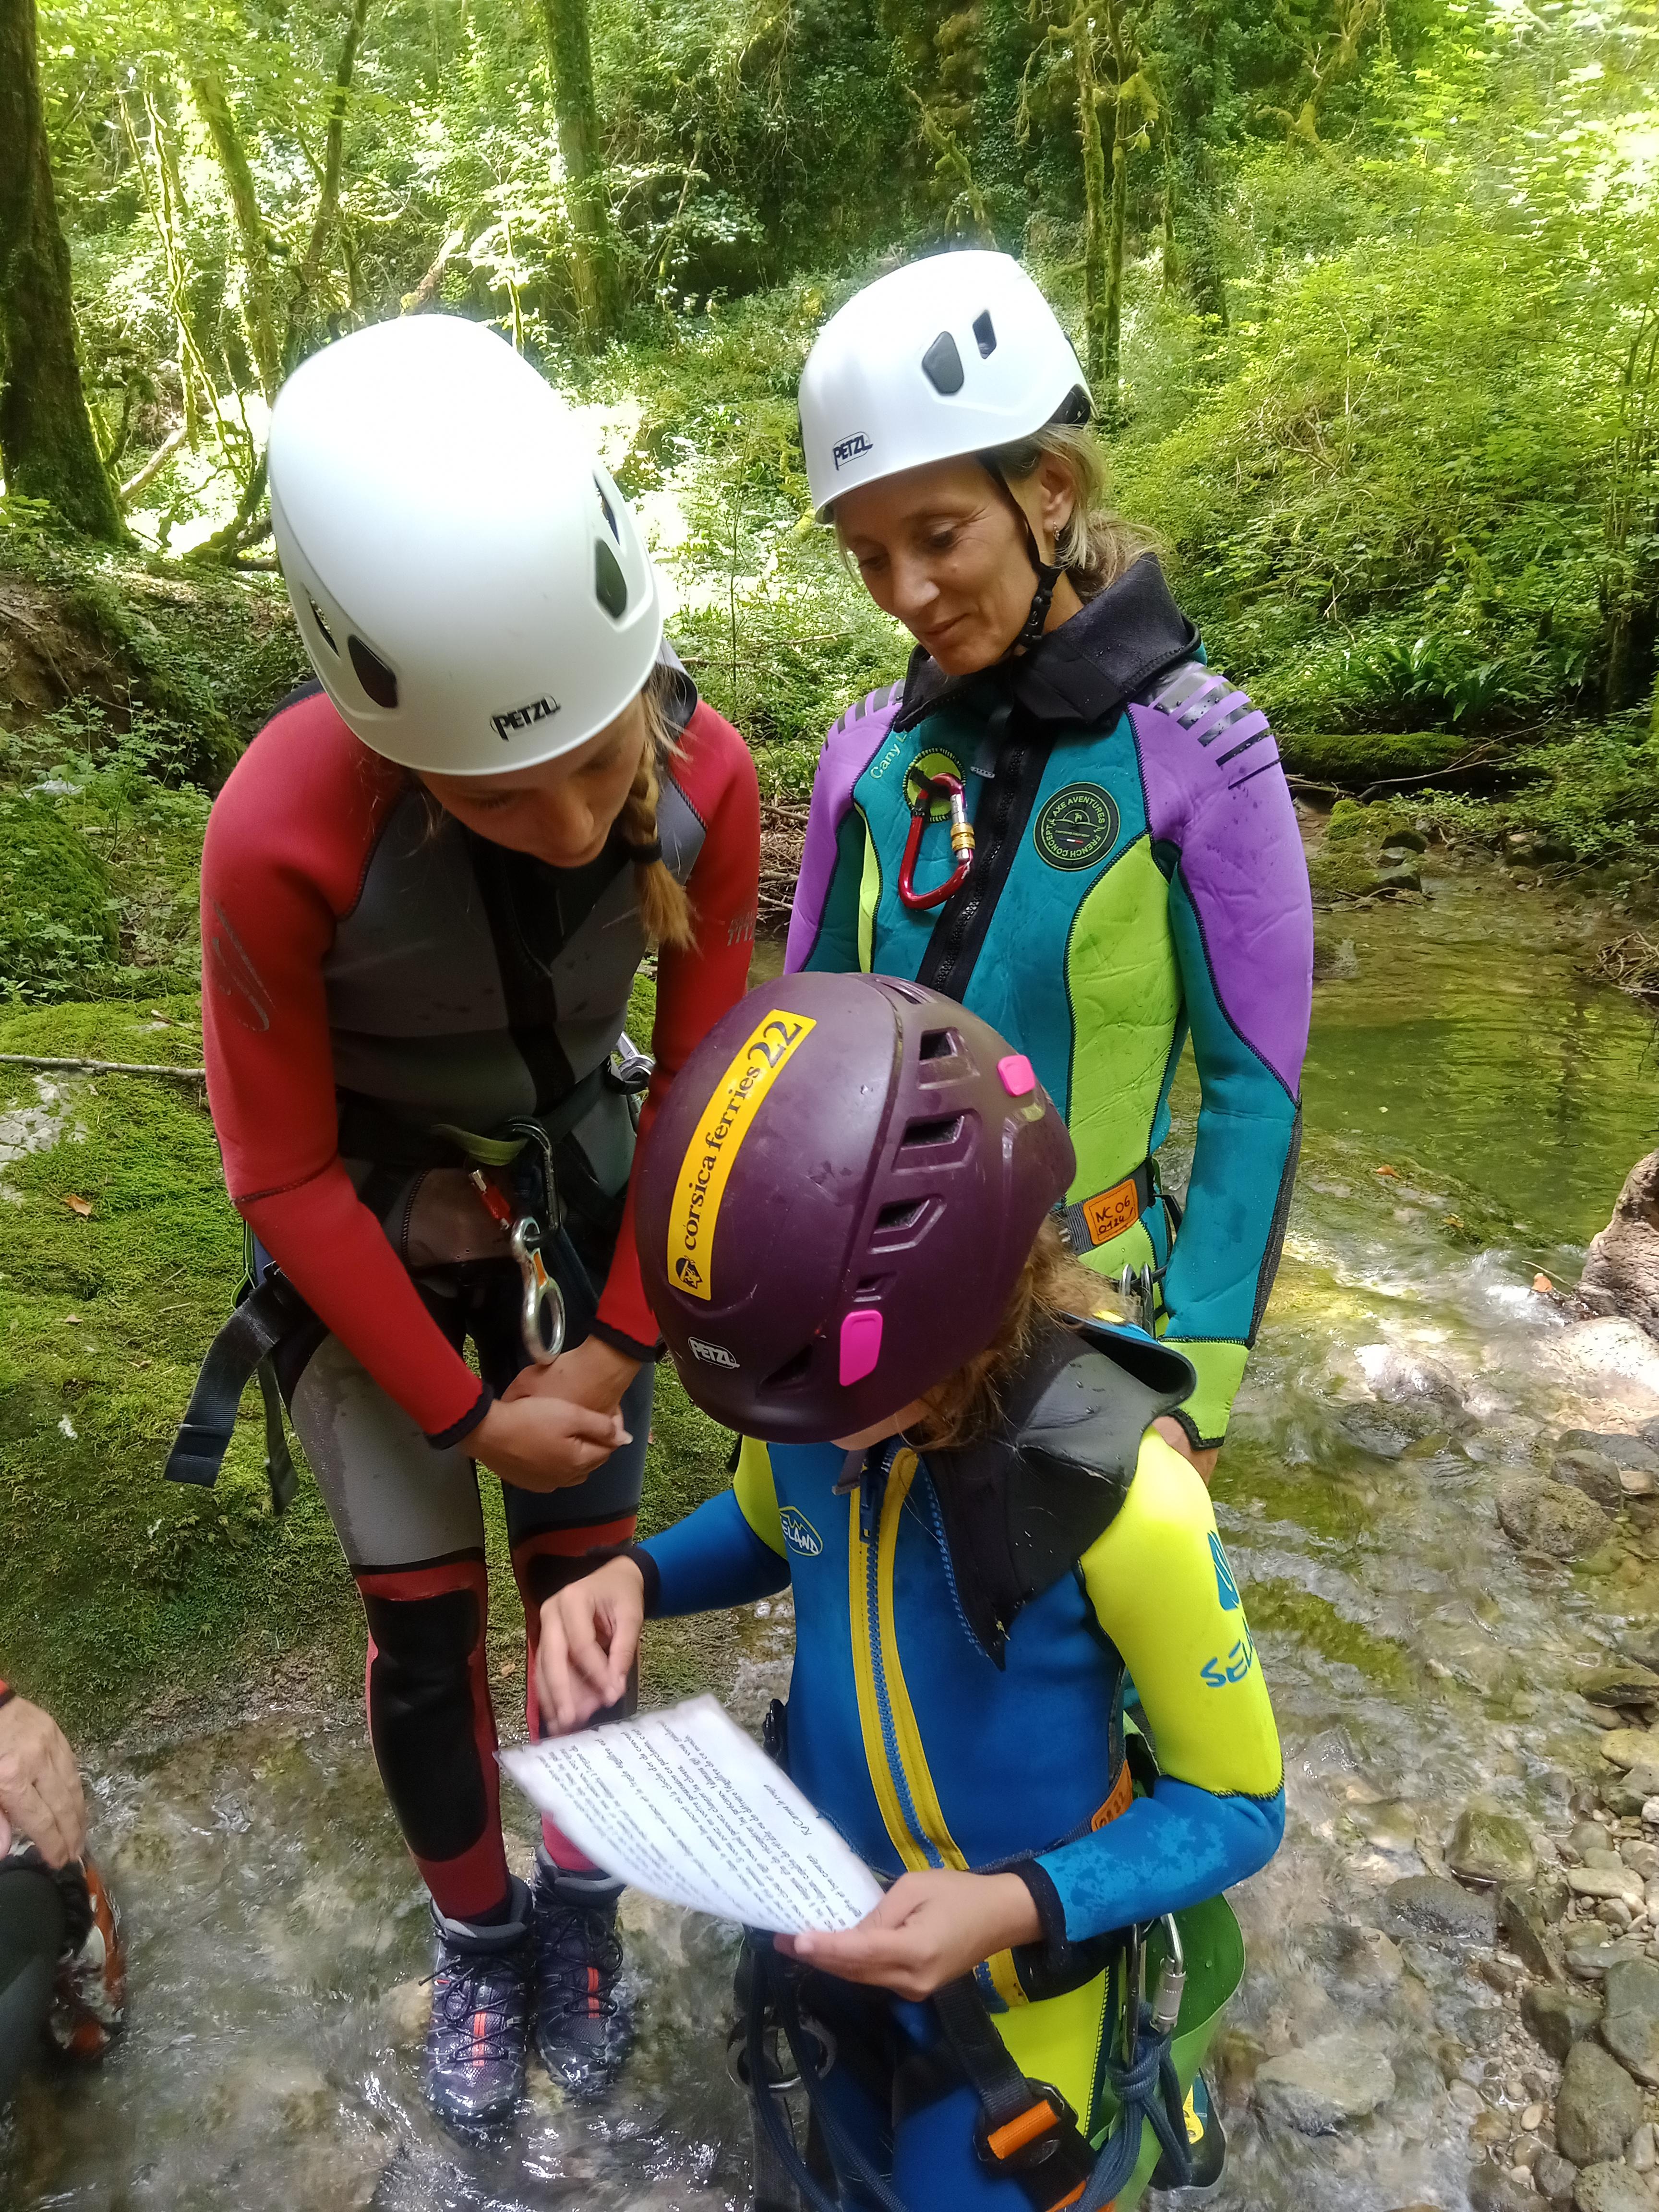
point(843, 1220)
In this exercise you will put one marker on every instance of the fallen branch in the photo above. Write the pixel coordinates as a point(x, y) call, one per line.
point(153, 467)
point(104, 1067)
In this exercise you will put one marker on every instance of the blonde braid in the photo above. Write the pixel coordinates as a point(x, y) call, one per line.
point(664, 909)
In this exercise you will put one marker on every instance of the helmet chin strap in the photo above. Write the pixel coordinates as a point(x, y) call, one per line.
point(1048, 573)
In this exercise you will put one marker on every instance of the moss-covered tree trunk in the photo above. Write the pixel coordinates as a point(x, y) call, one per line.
point(258, 303)
point(1097, 287)
point(47, 441)
point(576, 110)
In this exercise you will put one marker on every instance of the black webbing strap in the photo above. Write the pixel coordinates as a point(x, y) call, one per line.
point(1059, 2157)
point(242, 1348)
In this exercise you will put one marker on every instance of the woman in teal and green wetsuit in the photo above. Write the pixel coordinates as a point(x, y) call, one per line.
point(843, 1220)
point(1133, 871)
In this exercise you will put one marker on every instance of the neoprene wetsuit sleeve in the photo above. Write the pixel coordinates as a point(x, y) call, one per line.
point(1161, 1590)
point(1224, 829)
point(697, 984)
point(287, 844)
point(824, 922)
point(730, 1552)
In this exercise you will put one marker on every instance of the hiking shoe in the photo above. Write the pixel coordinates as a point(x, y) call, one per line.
point(584, 2019)
point(1206, 2143)
point(89, 1998)
point(474, 2047)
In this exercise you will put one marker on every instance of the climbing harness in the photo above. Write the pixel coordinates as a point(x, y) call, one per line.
point(928, 789)
point(1025, 2129)
point(271, 1313)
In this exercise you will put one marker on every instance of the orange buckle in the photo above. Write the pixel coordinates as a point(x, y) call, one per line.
point(1016, 2135)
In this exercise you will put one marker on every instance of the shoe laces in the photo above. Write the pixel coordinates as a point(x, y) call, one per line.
point(482, 1997)
point(576, 1946)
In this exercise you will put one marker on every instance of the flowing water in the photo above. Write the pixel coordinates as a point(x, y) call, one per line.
point(278, 1935)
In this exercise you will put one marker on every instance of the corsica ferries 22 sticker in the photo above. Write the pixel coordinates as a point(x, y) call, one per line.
point(708, 1163)
point(1076, 826)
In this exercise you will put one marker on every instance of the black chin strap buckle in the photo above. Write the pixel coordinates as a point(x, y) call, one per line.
point(1049, 575)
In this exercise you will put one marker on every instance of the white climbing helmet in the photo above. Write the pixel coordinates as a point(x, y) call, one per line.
point(958, 353)
point(470, 584)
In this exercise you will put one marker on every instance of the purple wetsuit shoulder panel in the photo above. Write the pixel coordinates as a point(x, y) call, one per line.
point(848, 751)
point(1216, 791)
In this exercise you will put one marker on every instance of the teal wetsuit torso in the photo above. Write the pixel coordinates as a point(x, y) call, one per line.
point(1139, 875)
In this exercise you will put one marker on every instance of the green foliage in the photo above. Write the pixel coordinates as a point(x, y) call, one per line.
point(57, 916)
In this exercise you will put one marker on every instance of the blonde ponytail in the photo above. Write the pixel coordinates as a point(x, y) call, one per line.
point(664, 908)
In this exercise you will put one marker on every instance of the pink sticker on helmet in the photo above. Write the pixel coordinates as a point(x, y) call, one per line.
point(1017, 1075)
point(861, 1344)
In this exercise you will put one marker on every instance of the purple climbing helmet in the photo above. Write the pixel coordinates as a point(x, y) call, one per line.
point(836, 1201)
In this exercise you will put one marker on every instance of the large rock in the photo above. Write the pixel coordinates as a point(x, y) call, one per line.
point(1634, 1452)
point(1623, 1683)
point(1525, 1922)
point(1598, 2107)
point(1551, 1517)
point(1428, 1905)
point(1559, 2017)
point(1489, 1846)
point(1317, 2089)
point(1609, 2188)
point(1630, 1747)
point(1630, 2026)
point(1621, 1268)
point(1609, 1361)
point(1593, 1472)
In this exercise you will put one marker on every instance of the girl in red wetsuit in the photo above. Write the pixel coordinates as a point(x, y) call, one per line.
point(426, 892)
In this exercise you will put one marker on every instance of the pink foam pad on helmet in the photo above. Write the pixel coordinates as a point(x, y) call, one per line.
point(861, 1345)
point(1018, 1075)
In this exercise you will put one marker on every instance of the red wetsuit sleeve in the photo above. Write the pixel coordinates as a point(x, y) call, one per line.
point(716, 777)
point(287, 844)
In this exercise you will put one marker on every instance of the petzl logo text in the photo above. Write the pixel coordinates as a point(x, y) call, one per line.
point(707, 1162)
point(520, 717)
point(850, 448)
point(712, 1355)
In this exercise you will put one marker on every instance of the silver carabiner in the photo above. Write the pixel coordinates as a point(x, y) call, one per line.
point(1137, 1288)
point(541, 1317)
point(1171, 1981)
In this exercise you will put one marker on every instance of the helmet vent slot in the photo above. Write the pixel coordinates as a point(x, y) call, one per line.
point(608, 511)
point(326, 634)
point(944, 1131)
point(376, 678)
point(792, 1371)
point(609, 584)
point(942, 365)
point(985, 335)
point(940, 1044)
point(900, 1214)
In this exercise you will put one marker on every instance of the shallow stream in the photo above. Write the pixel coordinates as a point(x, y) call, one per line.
point(278, 1934)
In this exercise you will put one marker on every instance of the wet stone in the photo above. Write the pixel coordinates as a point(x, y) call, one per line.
point(1598, 2108)
point(1558, 2016)
point(1490, 1845)
point(1491, 2190)
point(1624, 1683)
point(1629, 2027)
point(1609, 2188)
point(1593, 1472)
point(1317, 2089)
point(1551, 1517)
point(1553, 2177)
point(1428, 1905)
point(1640, 1641)
point(1624, 1451)
point(1588, 1836)
point(1525, 1927)
point(1630, 1747)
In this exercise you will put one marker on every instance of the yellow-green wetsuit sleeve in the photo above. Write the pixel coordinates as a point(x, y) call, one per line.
point(1161, 1590)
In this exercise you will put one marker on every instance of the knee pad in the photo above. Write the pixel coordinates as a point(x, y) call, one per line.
point(429, 1717)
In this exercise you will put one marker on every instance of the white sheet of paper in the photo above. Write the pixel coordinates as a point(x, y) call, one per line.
point(684, 1805)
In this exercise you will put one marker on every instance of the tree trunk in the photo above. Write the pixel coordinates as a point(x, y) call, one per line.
point(1119, 223)
point(328, 199)
point(576, 114)
point(259, 312)
point(1097, 278)
point(47, 441)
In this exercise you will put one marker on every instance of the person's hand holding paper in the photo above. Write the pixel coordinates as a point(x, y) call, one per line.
point(589, 1634)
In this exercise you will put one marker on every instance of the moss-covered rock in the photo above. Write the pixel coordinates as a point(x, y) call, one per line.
point(1353, 761)
point(58, 917)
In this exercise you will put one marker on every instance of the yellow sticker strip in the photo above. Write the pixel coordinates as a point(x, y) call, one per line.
point(708, 1163)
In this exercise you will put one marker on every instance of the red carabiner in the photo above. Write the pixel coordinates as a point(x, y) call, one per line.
point(929, 787)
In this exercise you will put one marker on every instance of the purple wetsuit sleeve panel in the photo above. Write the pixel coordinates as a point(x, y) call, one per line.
point(1219, 796)
point(848, 751)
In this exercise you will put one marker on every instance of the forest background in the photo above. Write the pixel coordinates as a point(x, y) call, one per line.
point(1368, 292)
